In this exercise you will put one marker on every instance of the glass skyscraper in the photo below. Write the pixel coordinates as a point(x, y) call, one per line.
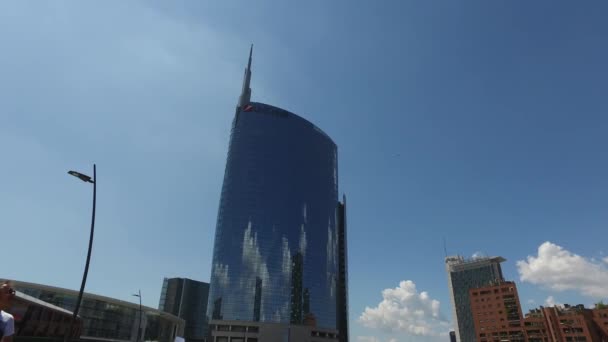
point(462, 276)
point(277, 247)
point(187, 299)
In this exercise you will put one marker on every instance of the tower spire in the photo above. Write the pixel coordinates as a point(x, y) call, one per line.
point(246, 91)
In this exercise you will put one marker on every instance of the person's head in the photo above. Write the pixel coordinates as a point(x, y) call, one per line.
point(7, 293)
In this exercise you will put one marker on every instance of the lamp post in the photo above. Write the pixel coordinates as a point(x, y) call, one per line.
point(86, 179)
point(138, 294)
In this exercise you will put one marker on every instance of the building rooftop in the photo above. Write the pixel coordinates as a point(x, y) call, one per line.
point(148, 310)
point(31, 299)
point(459, 263)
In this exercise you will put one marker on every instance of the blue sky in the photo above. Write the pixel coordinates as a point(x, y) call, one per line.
point(480, 122)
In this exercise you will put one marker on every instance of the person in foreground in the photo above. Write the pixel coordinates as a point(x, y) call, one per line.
point(7, 322)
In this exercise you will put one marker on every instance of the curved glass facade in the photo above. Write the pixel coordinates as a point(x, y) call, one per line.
point(275, 257)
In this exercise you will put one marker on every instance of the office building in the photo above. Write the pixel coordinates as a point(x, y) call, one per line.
point(279, 255)
point(105, 318)
point(187, 299)
point(342, 286)
point(452, 336)
point(464, 275)
point(496, 312)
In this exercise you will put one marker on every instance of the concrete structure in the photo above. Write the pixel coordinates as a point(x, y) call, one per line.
point(238, 331)
point(496, 311)
point(464, 275)
point(187, 299)
point(108, 318)
point(280, 251)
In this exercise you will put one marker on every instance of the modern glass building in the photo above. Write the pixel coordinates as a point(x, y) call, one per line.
point(276, 254)
point(105, 318)
point(342, 301)
point(464, 275)
point(187, 299)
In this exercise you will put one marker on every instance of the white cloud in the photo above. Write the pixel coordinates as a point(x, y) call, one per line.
point(477, 255)
point(560, 270)
point(255, 268)
point(373, 339)
point(404, 309)
point(286, 263)
point(531, 301)
point(605, 260)
point(303, 240)
point(220, 271)
point(550, 302)
point(367, 339)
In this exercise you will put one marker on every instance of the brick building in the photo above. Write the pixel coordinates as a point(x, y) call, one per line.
point(535, 328)
point(600, 318)
point(497, 312)
point(565, 324)
point(497, 317)
point(571, 323)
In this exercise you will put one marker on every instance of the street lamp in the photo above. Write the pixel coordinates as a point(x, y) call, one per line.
point(87, 179)
point(138, 294)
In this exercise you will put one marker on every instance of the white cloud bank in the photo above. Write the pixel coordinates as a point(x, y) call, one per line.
point(373, 339)
point(367, 339)
point(550, 302)
point(560, 270)
point(404, 309)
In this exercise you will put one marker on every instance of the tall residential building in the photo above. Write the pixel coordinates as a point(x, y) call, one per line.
point(566, 323)
point(497, 313)
point(571, 323)
point(279, 256)
point(600, 317)
point(464, 275)
point(535, 328)
point(187, 299)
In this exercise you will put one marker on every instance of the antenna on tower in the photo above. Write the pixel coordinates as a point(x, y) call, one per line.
point(445, 249)
point(246, 92)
